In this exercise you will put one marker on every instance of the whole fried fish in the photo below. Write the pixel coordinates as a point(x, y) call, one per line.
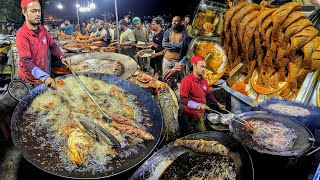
point(121, 119)
point(127, 129)
point(203, 146)
point(78, 143)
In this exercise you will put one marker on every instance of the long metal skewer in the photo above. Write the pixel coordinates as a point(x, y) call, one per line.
point(236, 116)
point(107, 118)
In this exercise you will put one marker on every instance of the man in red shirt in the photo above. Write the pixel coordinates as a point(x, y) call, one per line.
point(193, 92)
point(33, 43)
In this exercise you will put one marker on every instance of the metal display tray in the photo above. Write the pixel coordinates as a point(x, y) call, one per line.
point(254, 99)
point(315, 96)
point(197, 41)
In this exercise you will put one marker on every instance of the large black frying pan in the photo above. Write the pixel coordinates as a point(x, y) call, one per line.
point(158, 162)
point(47, 158)
point(303, 144)
point(129, 64)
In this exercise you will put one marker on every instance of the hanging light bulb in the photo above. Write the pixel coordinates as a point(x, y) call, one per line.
point(92, 5)
point(82, 9)
point(60, 6)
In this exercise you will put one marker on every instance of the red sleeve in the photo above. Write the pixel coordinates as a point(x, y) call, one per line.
point(23, 45)
point(212, 99)
point(53, 45)
point(56, 50)
point(185, 88)
point(210, 96)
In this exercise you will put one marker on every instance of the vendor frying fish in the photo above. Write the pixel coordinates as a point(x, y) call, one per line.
point(33, 44)
point(193, 92)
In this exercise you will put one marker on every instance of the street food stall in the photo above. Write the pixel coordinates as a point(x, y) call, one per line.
point(108, 118)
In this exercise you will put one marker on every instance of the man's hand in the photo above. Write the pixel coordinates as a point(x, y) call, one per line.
point(154, 44)
point(178, 66)
point(49, 82)
point(222, 107)
point(114, 44)
point(66, 62)
point(170, 73)
point(204, 107)
point(153, 55)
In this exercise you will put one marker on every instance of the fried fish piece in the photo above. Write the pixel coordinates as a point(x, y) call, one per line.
point(127, 108)
point(246, 20)
point(279, 16)
point(120, 118)
point(78, 143)
point(251, 28)
point(293, 17)
point(203, 146)
point(308, 49)
point(301, 38)
point(293, 29)
point(130, 130)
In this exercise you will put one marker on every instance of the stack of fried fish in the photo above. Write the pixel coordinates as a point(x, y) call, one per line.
point(279, 43)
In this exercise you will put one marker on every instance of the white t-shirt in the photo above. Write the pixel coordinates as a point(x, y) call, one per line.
point(101, 32)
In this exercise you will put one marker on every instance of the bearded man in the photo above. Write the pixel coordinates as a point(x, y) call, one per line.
point(33, 44)
point(173, 43)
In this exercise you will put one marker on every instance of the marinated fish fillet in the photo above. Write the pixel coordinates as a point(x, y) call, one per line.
point(121, 119)
point(203, 146)
point(127, 108)
point(78, 143)
point(226, 35)
point(301, 38)
point(251, 28)
point(308, 49)
point(235, 24)
point(293, 17)
point(263, 29)
point(242, 26)
point(133, 131)
point(282, 68)
point(315, 63)
point(293, 29)
point(279, 16)
point(230, 13)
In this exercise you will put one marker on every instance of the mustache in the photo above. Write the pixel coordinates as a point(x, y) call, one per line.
point(178, 28)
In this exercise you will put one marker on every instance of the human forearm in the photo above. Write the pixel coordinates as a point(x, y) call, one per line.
point(56, 50)
point(187, 102)
point(212, 99)
point(130, 43)
point(172, 45)
point(38, 73)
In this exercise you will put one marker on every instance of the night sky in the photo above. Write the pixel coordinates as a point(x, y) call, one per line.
point(139, 8)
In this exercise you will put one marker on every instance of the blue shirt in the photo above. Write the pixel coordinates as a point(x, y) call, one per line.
point(68, 29)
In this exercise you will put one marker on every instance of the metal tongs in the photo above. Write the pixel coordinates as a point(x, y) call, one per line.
point(99, 132)
point(105, 116)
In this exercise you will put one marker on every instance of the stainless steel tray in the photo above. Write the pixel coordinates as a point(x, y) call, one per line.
point(197, 41)
point(315, 96)
point(307, 87)
point(210, 76)
point(254, 99)
point(207, 7)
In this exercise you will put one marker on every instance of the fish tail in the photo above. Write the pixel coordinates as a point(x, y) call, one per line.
point(178, 142)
